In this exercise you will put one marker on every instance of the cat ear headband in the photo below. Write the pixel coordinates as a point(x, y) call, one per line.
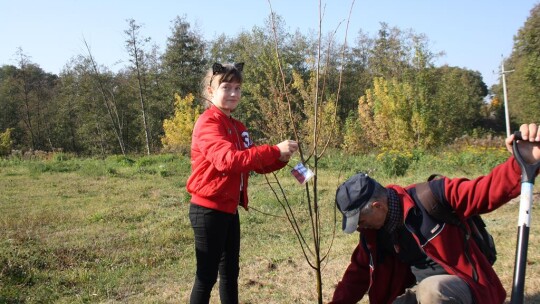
point(218, 68)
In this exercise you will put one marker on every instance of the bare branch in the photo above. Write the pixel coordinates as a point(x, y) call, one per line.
point(311, 193)
point(292, 220)
point(285, 89)
point(340, 77)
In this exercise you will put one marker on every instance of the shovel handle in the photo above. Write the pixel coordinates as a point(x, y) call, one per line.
point(528, 171)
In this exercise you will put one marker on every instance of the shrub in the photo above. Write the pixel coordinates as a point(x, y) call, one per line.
point(121, 159)
point(61, 156)
point(6, 143)
point(353, 142)
point(395, 163)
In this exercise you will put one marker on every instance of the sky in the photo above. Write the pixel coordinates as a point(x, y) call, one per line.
point(473, 34)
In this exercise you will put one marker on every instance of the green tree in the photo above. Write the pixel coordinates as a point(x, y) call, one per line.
point(390, 54)
point(135, 45)
point(159, 102)
point(98, 108)
point(24, 94)
point(32, 91)
point(184, 61)
point(69, 114)
point(357, 76)
point(522, 84)
point(457, 98)
point(107, 92)
point(9, 115)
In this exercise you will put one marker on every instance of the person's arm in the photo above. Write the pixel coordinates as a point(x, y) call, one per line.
point(214, 143)
point(489, 192)
point(355, 281)
point(278, 164)
point(286, 150)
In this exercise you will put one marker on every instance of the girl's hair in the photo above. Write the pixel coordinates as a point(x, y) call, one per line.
point(217, 75)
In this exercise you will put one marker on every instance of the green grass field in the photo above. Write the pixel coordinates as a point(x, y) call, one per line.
point(117, 230)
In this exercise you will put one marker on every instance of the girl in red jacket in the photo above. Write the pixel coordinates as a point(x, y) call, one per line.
point(222, 155)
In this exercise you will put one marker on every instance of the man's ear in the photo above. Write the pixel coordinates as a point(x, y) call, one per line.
point(380, 204)
point(210, 90)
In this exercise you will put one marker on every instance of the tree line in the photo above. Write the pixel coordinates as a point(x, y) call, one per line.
point(382, 90)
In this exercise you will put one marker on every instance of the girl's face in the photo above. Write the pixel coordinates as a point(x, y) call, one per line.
point(226, 96)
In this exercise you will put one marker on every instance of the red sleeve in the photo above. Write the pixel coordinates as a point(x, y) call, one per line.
point(272, 167)
point(216, 146)
point(355, 281)
point(485, 193)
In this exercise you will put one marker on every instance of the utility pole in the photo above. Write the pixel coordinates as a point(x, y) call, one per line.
point(506, 115)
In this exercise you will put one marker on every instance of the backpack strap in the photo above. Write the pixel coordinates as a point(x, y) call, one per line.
point(443, 212)
point(434, 176)
point(435, 207)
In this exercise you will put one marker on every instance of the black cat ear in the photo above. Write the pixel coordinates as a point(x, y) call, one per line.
point(217, 68)
point(239, 66)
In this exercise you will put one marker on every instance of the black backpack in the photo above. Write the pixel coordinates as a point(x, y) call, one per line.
point(443, 212)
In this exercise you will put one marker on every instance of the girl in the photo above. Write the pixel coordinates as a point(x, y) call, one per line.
point(222, 155)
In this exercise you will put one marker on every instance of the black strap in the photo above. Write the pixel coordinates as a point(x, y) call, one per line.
point(445, 213)
point(434, 207)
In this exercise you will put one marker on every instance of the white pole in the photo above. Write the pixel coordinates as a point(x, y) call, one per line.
point(506, 115)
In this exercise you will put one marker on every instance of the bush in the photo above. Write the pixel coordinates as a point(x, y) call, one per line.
point(61, 156)
point(395, 163)
point(6, 143)
point(121, 159)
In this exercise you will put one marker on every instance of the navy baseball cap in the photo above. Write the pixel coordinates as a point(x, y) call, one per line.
point(351, 196)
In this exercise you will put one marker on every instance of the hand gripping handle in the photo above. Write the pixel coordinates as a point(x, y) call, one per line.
point(528, 171)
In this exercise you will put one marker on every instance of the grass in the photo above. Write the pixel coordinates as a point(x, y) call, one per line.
point(116, 230)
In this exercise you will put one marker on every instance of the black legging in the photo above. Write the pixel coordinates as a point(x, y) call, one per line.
point(217, 247)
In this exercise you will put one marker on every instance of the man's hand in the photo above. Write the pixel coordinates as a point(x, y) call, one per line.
point(529, 147)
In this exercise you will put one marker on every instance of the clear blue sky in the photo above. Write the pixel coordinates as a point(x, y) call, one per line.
point(474, 34)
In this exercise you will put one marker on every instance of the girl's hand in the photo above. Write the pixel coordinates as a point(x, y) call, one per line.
point(287, 149)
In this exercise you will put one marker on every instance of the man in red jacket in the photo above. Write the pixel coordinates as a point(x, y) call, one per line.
point(406, 256)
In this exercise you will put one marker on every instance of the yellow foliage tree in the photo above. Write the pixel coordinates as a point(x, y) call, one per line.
point(327, 128)
point(179, 128)
point(387, 115)
point(6, 142)
point(353, 141)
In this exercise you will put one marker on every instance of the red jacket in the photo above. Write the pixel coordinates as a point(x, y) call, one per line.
point(384, 281)
point(222, 155)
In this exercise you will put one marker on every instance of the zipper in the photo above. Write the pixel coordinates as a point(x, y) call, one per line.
point(239, 147)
